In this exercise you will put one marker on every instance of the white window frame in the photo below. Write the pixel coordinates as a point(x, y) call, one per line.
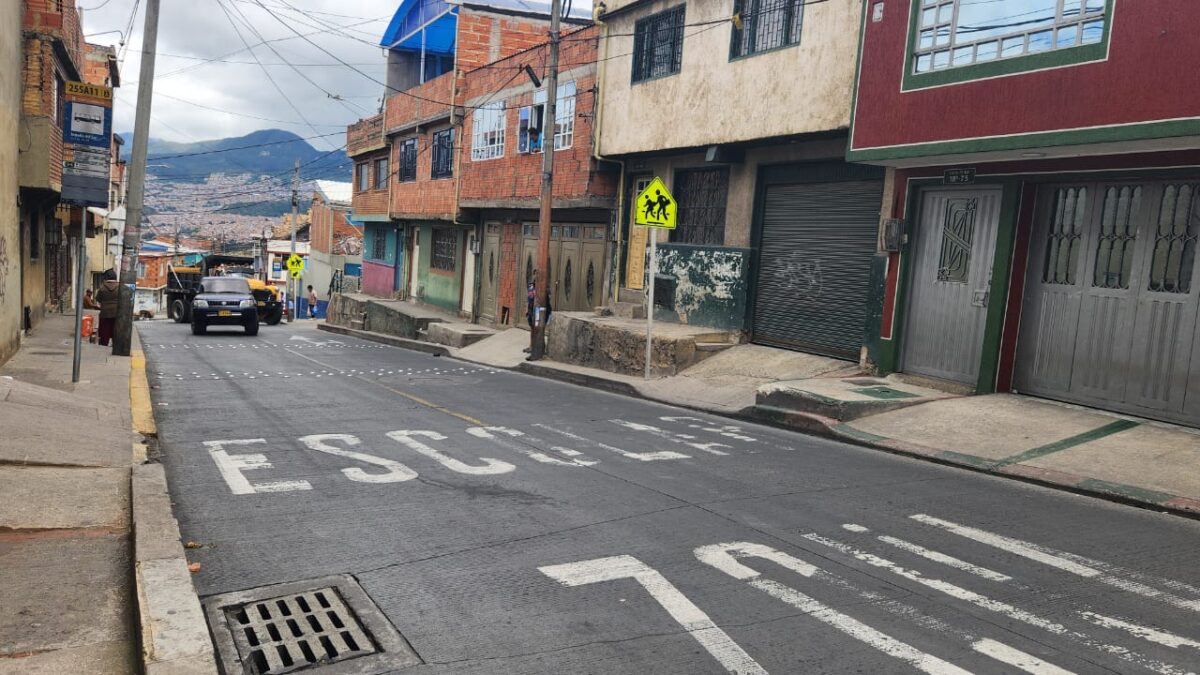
point(487, 131)
point(564, 113)
point(937, 45)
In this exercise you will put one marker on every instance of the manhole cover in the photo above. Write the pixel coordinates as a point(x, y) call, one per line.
point(327, 626)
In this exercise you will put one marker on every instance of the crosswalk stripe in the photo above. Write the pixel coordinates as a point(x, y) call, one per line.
point(1145, 632)
point(935, 556)
point(1017, 658)
point(1014, 546)
point(999, 607)
point(1059, 560)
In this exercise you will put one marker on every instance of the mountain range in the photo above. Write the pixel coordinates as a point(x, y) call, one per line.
point(268, 151)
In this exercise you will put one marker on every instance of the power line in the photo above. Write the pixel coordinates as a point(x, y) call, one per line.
point(239, 114)
point(244, 147)
point(263, 68)
point(299, 72)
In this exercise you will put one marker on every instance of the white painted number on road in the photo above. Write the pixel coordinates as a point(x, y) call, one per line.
point(232, 466)
point(532, 453)
point(714, 640)
point(396, 472)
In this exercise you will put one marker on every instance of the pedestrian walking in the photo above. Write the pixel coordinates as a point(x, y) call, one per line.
point(107, 296)
point(312, 303)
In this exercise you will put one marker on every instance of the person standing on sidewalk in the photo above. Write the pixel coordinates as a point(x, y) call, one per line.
point(107, 297)
point(312, 302)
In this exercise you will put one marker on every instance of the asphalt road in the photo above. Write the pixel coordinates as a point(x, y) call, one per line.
point(508, 524)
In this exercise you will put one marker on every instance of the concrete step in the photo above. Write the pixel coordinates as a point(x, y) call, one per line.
point(358, 324)
point(629, 310)
point(456, 335)
point(631, 295)
point(713, 347)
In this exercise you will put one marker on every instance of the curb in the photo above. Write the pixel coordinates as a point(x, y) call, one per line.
point(173, 633)
point(828, 427)
point(403, 343)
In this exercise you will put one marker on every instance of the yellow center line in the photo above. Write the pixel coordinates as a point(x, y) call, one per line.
point(415, 399)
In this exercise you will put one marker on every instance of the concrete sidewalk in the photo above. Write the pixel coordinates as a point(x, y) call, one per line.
point(77, 524)
point(1137, 461)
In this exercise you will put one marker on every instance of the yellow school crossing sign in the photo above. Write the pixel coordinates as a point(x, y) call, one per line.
point(656, 207)
point(295, 265)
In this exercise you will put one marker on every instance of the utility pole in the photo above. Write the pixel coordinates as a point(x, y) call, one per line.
point(541, 302)
point(293, 283)
point(123, 330)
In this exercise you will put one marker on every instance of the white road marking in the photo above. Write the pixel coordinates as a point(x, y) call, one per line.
point(1017, 658)
point(999, 607)
point(1144, 632)
point(1059, 560)
point(674, 438)
point(396, 472)
point(490, 466)
point(1014, 546)
point(854, 528)
point(641, 456)
point(944, 559)
point(232, 466)
point(487, 433)
point(714, 640)
point(726, 430)
point(725, 558)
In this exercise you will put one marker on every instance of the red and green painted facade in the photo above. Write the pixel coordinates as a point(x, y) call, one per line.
point(1108, 118)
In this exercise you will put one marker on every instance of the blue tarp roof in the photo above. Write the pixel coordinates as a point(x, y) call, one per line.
point(439, 18)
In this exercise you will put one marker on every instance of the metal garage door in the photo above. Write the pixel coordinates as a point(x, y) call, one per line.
point(1112, 298)
point(815, 244)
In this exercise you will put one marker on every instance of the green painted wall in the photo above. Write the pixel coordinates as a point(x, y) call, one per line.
point(440, 288)
point(710, 285)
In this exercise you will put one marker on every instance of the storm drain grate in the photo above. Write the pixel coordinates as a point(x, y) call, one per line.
point(279, 635)
point(326, 626)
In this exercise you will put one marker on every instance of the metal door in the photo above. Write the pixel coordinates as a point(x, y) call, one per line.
point(1112, 298)
point(490, 271)
point(955, 241)
point(568, 294)
point(814, 265)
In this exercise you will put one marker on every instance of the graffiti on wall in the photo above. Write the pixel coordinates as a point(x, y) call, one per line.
point(3, 267)
point(710, 284)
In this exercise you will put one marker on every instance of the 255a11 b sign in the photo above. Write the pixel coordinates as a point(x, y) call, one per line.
point(87, 137)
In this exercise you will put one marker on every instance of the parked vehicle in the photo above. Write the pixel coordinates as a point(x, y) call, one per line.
point(224, 301)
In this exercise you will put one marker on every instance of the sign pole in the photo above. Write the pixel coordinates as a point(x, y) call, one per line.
point(80, 271)
point(650, 301)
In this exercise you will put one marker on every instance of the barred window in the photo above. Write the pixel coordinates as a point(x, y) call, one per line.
point(763, 25)
point(408, 160)
point(702, 194)
point(379, 245)
point(381, 172)
point(487, 131)
point(443, 154)
point(658, 44)
point(445, 249)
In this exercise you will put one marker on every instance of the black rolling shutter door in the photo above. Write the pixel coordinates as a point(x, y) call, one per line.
point(817, 241)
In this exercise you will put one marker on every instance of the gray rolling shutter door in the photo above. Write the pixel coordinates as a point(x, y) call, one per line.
point(815, 250)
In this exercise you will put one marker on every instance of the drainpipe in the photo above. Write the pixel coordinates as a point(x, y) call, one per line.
point(614, 288)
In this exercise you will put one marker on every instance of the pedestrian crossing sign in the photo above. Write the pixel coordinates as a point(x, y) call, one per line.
point(656, 207)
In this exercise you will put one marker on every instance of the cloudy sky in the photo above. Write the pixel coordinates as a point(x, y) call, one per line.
point(202, 61)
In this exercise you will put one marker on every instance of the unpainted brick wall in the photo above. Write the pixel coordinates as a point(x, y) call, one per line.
point(518, 176)
point(373, 200)
point(425, 196)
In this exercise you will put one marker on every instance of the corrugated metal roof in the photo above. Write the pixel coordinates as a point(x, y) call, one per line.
point(335, 192)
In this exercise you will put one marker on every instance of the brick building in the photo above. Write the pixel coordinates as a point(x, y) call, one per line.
point(418, 243)
point(54, 53)
point(500, 184)
point(335, 243)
